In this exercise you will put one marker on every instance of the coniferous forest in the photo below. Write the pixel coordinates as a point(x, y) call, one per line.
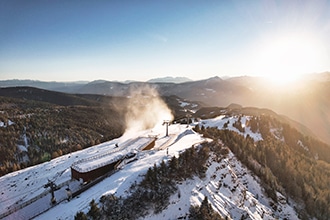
point(285, 161)
point(46, 131)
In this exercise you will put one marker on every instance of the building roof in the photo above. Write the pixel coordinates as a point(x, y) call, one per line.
point(100, 160)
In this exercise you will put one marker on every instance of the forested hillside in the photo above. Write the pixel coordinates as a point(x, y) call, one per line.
point(285, 160)
point(33, 132)
point(307, 102)
point(37, 125)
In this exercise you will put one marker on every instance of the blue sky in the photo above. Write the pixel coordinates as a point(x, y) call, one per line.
point(139, 40)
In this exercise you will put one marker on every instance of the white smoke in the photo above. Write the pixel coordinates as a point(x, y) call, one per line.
point(145, 109)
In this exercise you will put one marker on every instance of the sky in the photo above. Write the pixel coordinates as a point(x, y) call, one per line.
point(140, 40)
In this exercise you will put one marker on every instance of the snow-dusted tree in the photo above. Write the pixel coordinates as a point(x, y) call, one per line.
point(94, 211)
point(80, 216)
point(204, 212)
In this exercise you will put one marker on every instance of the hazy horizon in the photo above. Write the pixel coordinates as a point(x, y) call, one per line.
point(170, 79)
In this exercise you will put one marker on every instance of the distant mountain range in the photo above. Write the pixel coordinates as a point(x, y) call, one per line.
point(72, 86)
point(170, 79)
point(55, 86)
point(307, 102)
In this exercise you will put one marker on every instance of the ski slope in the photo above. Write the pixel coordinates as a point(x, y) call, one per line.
point(236, 180)
point(19, 187)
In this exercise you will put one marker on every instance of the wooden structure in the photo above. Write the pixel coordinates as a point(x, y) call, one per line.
point(91, 168)
point(93, 174)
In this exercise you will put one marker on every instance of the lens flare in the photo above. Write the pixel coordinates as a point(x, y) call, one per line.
point(285, 58)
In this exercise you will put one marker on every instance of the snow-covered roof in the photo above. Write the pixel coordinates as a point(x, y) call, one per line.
point(97, 161)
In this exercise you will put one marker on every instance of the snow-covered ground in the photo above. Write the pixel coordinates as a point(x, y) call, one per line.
point(239, 192)
point(231, 189)
point(221, 120)
point(24, 185)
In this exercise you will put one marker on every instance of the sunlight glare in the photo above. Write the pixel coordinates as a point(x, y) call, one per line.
point(286, 58)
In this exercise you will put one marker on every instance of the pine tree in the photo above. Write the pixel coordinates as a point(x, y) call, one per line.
point(174, 165)
point(204, 212)
point(193, 212)
point(80, 216)
point(94, 211)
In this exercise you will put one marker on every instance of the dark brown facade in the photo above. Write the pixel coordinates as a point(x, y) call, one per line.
point(93, 174)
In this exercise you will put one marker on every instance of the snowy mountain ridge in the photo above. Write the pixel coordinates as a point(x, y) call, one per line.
point(233, 191)
point(231, 188)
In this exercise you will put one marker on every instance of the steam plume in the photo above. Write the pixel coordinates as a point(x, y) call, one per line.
point(145, 109)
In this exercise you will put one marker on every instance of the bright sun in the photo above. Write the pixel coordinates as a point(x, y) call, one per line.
point(286, 58)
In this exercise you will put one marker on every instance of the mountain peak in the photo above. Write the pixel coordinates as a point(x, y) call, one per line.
point(169, 79)
point(215, 78)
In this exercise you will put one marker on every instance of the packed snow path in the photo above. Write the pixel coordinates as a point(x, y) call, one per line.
point(19, 187)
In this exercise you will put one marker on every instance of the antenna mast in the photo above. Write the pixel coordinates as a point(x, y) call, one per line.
point(188, 119)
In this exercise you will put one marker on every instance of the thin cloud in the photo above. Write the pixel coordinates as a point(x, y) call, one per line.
point(158, 37)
